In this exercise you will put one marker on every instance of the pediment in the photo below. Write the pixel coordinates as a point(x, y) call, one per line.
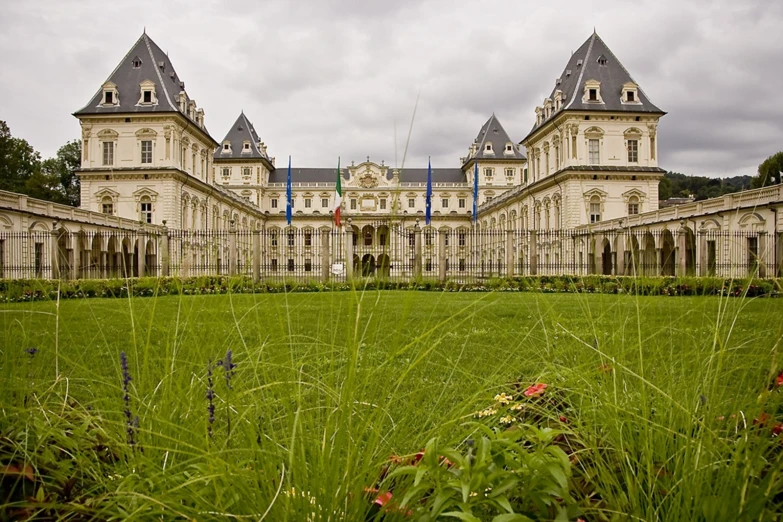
point(634, 192)
point(145, 191)
point(113, 194)
point(368, 175)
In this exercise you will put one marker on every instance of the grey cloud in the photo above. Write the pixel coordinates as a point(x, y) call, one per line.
point(326, 78)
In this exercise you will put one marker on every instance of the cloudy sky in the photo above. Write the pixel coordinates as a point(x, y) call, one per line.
point(324, 78)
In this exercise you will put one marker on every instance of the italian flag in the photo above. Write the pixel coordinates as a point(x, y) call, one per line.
point(338, 195)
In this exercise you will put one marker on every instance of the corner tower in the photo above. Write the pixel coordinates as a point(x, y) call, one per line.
point(595, 136)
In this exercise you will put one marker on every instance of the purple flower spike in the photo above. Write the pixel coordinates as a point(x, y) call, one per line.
point(132, 423)
point(228, 368)
point(31, 352)
point(210, 400)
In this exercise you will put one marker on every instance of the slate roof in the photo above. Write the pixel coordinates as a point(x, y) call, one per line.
point(156, 67)
point(241, 131)
point(321, 175)
point(492, 131)
point(612, 75)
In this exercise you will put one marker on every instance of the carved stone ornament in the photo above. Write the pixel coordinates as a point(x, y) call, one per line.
point(367, 180)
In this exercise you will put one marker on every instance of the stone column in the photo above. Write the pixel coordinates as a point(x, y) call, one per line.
point(325, 257)
point(441, 256)
point(417, 251)
point(54, 254)
point(620, 255)
point(702, 253)
point(141, 253)
point(165, 261)
point(256, 255)
point(349, 250)
point(509, 253)
point(682, 258)
point(232, 250)
point(533, 256)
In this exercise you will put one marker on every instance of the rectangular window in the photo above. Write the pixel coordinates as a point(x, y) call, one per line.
point(633, 151)
point(411, 239)
point(226, 172)
point(147, 96)
point(273, 240)
point(246, 173)
point(595, 212)
point(753, 253)
point(382, 204)
point(109, 98)
point(411, 202)
point(509, 173)
point(461, 202)
point(146, 212)
point(592, 148)
point(631, 96)
point(146, 151)
point(290, 265)
point(462, 264)
point(593, 93)
point(107, 208)
point(428, 238)
point(428, 265)
point(461, 238)
point(447, 264)
point(108, 153)
point(274, 202)
point(444, 202)
point(633, 209)
point(324, 202)
point(291, 239)
point(353, 204)
point(525, 175)
point(308, 265)
point(308, 203)
point(308, 238)
point(488, 172)
point(712, 258)
point(273, 265)
point(446, 239)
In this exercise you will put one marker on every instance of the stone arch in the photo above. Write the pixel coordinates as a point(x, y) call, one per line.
point(606, 257)
point(667, 253)
point(368, 235)
point(649, 263)
point(114, 256)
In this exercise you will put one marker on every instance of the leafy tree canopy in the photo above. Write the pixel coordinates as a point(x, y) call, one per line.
point(770, 171)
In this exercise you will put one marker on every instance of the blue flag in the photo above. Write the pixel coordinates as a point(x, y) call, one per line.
point(428, 215)
point(475, 192)
point(288, 195)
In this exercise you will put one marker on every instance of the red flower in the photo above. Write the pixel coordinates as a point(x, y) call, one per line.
point(605, 368)
point(563, 419)
point(535, 390)
point(383, 498)
point(762, 420)
point(777, 429)
point(779, 380)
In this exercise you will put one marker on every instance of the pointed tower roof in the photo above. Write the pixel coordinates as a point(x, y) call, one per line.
point(242, 131)
point(145, 61)
point(493, 132)
point(595, 61)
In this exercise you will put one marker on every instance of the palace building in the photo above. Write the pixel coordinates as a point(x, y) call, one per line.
point(578, 194)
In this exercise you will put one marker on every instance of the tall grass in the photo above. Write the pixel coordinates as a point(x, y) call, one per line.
point(660, 392)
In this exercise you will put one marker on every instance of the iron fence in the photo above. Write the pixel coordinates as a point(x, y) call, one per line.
point(388, 251)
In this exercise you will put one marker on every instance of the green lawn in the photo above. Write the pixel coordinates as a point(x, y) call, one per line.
point(328, 385)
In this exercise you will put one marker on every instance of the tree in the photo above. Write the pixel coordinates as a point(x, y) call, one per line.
point(665, 188)
point(60, 173)
point(18, 161)
point(769, 171)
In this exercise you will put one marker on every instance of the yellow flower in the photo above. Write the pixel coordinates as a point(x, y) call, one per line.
point(508, 419)
point(502, 398)
point(516, 407)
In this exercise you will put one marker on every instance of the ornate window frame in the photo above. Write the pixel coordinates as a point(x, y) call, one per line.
point(147, 86)
point(109, 88)
point(633, 89)
point(588, 198)
point(590, 85)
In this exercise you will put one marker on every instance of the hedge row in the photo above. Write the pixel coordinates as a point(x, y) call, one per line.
point(35, 290)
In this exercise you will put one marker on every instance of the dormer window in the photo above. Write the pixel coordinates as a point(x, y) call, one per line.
point(147, 89)
point(630, 93)
point(136, 62)
point(110, 94)
point(592, 93)
point(246, 147)
point(509, 147)
point(602, 60)
point(226, 148)
point(488, 148)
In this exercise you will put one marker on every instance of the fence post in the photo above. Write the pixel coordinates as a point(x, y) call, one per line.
point(325, 254)
point(141, 251)
point(54, 254)
point(232, 249)
point(256, 255)
point(442, 256)
point(509, 253)
point(349, 250)
point(164, 252)
point(417, 251)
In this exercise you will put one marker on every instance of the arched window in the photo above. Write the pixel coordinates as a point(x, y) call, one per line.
point(145, 209)
point(107, 205)
point(633, 205)
point(595, 209)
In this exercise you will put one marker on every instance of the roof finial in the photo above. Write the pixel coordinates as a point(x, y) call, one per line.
point(144, 31)
point(594, 30)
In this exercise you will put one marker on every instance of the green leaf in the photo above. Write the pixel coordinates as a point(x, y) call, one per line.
point(461, 516)
point(511, 517)
point(504, 503)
